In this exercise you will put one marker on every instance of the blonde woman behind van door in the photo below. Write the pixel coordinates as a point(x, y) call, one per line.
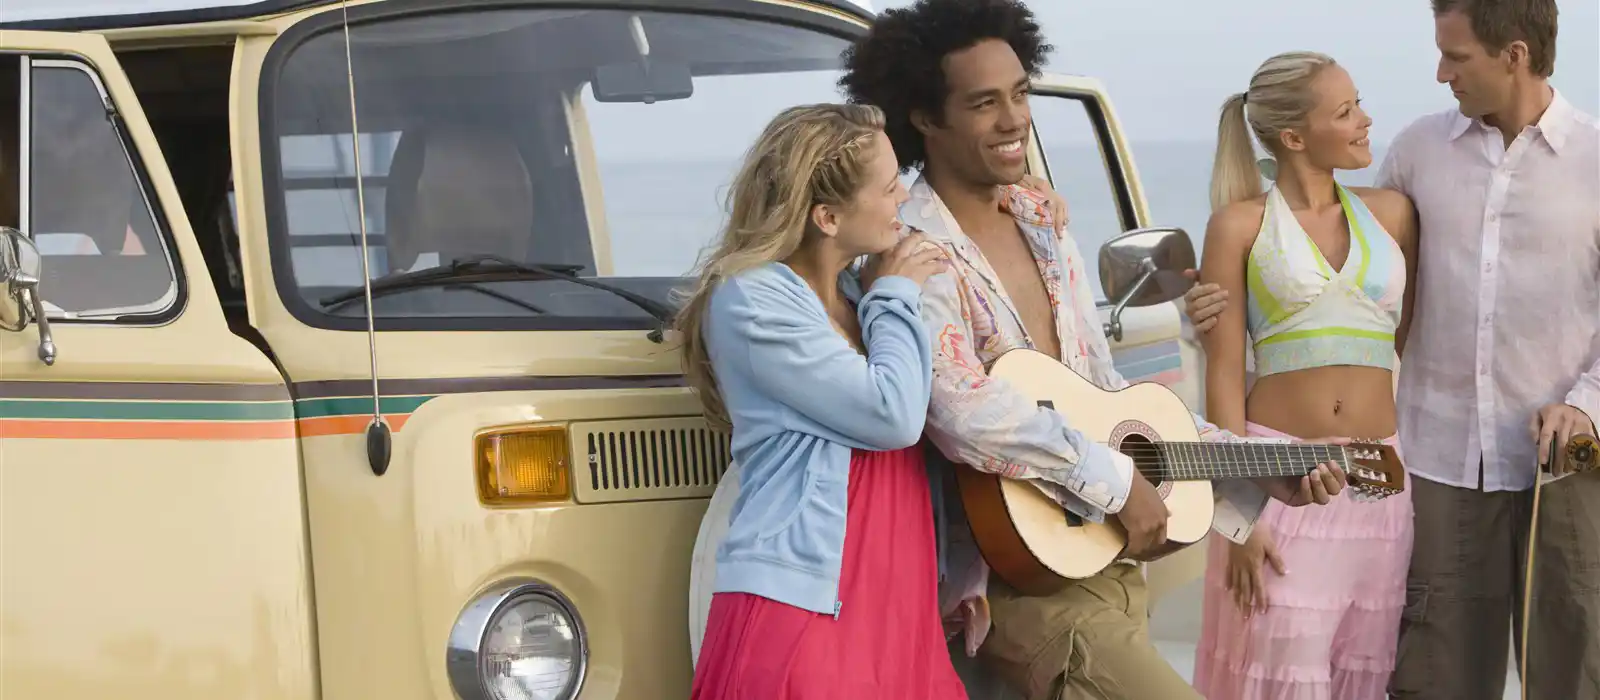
point(826, 584)
point(1309, 606)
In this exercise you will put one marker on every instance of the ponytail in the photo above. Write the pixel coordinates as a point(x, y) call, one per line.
point(1235, 176)
point(1279, 98)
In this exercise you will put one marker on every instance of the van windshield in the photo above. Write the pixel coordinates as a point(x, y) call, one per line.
point(600, 142)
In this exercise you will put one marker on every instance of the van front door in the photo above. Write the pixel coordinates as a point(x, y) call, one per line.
point(151, 523)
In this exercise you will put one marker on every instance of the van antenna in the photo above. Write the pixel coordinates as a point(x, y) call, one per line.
point(379, 437)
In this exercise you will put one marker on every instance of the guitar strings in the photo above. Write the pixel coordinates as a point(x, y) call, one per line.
point(1194, 460)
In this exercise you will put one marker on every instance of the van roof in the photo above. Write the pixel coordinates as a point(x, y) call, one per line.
point(78, 15)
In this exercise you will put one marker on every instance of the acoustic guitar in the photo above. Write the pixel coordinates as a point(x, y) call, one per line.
point(1037, 546)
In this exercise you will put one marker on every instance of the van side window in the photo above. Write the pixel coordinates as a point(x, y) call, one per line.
point(86, 206)
point(1077, 156)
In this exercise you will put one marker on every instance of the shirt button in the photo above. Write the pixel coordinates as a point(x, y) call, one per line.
point(1493, 218)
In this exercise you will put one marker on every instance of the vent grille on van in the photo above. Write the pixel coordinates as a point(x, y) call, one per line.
point(647, 459)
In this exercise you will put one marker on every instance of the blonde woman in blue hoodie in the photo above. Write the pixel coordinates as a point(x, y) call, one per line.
point(826, 585)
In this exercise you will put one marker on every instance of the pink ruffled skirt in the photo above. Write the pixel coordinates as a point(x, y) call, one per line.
point(1330, 630)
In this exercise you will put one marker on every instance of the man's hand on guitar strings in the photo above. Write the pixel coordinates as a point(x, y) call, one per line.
point(1553, 427)
point(1144, 517)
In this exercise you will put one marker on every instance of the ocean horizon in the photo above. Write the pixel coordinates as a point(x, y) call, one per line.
point(662, 212)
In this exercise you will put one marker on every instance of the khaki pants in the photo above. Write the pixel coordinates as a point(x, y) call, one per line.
point(1088, 642)
point(1465, 589)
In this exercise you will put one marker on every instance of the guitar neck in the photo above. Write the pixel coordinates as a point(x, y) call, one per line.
point(1205, 461)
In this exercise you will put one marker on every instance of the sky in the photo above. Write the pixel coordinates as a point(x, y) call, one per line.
point(1168, 64)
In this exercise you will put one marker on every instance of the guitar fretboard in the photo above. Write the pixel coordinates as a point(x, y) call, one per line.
point(1204, 461)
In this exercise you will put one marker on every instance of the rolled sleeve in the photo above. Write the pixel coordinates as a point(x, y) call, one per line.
point(1239, 505)
point(1104, 474)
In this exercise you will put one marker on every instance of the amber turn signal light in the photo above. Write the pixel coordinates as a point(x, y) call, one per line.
point(523, 466)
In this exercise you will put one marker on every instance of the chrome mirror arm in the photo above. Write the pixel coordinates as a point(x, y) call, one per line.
point(20, 272)
point(47, 341)
point(1113, 328)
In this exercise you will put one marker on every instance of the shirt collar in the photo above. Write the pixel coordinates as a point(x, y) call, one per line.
point(926, 212)
point(1557, 121)
point(1553, 127)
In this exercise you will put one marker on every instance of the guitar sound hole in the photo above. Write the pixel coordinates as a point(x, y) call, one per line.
point(1145, 457)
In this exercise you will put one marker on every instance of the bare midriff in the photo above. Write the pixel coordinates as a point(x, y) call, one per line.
point(1341, 401)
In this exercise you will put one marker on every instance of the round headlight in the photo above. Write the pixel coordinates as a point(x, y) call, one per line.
point(518, 641)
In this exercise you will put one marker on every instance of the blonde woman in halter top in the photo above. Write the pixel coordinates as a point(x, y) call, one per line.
point(1309, 607)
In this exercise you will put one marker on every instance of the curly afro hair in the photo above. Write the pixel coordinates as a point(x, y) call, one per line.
point(899, 65)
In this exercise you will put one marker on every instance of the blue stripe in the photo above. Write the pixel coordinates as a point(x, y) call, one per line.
point(1149, 351)
point(1379, 246)
point(1145, 360)
point(1149, 367)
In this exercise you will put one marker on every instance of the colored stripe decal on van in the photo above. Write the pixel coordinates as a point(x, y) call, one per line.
point(145, 430)
point(351, 415)
point(173, 420)
point(200, 411)
point(356, 406)
point(55, 409)
point(1157, 362)
point(181, 420)
point(143, 391)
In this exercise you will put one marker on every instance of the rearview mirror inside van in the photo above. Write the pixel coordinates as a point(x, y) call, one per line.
point(642, 81)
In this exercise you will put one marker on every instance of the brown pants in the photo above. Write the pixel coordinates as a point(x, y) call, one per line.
point(1465, 589)
point(1088, 642)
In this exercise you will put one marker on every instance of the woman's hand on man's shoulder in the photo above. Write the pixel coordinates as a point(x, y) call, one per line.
point(914, 257)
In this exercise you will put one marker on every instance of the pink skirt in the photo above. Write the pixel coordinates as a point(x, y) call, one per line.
point(1330, 630)
point(887, 642)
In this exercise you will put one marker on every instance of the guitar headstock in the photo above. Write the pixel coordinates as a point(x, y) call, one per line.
point(1375, 471)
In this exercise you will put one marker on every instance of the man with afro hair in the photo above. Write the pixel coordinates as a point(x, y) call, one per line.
point(952, 78)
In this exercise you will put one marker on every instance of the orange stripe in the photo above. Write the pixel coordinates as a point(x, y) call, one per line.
point(190, 430)
point(347, 425)
point(145, 430)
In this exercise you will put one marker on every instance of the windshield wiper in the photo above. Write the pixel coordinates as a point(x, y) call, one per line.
point(337, 300)
point(466, 272)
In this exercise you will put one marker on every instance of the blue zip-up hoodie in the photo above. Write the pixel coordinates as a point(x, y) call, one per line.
point(801, 398)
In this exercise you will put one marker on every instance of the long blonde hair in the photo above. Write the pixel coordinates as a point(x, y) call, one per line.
point(1279, 98)
point(807, 155)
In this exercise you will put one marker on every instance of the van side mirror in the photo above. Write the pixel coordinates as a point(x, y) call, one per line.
point(1144, 267)
point(21, 268)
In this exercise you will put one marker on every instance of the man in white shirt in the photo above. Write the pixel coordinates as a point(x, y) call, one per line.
point(1502, 362)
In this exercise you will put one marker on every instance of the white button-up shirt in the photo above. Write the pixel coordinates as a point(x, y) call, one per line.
point(1507, 314)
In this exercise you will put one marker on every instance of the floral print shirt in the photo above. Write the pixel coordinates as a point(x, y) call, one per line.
point(981, 421)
